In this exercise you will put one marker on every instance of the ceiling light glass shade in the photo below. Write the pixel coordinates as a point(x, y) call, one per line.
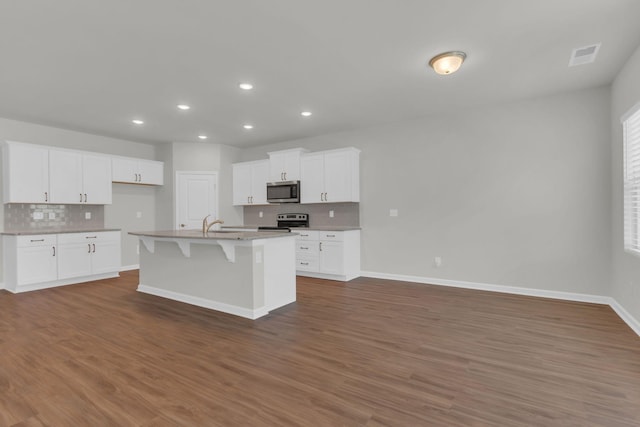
point(448, 62)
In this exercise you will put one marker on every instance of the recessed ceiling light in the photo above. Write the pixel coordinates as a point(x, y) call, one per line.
point(183, 107)
point(247, 126)
point(305, 113)
point(245, 86)
point(137, 122)
point(202, 136)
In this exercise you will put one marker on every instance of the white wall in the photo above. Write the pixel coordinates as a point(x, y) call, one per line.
point(625, 93)
point(514, 194)
point(185, 156)
point(127, 199)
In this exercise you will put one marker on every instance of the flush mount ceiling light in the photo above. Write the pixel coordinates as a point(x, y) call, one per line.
point(183, 107)
point(305, 113)
point(137, 122)
point(448, 62)
point(247, 126)
point(245, 86)
point(202, 136)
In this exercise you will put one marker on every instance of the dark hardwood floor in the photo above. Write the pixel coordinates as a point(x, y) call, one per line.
point(367, 353)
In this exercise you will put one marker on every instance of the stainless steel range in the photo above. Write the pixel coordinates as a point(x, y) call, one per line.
point(288, 221)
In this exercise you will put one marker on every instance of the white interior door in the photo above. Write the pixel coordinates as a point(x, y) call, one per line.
point(196, 197)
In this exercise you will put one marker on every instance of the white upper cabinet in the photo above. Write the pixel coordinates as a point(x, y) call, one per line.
point(26, 173)
point(77, 177)
point(137, 171)
point(96, 179)
point(250, 183)
point(285, 165)
point(330, 176)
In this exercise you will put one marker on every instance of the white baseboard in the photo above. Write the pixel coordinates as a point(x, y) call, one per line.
point(130, 267)
point(624, 315)
point(201, 302)
point(543, 293)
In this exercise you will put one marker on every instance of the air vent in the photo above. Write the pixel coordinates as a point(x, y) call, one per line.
point(584, 55)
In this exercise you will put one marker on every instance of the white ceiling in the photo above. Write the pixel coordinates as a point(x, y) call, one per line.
point(93, 65)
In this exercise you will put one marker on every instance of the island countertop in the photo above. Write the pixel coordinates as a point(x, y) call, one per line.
point(212, 235)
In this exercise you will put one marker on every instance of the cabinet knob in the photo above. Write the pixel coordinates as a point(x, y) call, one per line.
point(182, 225)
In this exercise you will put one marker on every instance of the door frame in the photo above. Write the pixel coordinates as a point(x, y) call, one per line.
point(176, 191)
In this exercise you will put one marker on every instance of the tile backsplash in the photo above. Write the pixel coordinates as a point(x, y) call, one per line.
point(344, 214)
point(27, 216)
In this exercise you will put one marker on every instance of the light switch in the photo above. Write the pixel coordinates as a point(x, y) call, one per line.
point(87, 215)
point(260, 214)
point(38, 215)
point(393, 212)
point(331, 214)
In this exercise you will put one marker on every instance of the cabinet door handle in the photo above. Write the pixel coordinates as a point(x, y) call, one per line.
point(285, 176)
point(54, 250)
point(331, 235)
point(91, 237)
point(281, 177)
point(85, 197)
point(36, 240)
point(140, 176)
point(326, 199)
point(89, 246)
point(46, 196)
point(94, 248)
point(302, 247)
point(304, 263)
point(320, 246)
point(80, 197)
point(251, 200)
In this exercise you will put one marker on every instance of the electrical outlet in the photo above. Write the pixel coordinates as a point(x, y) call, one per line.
point(331, 214)
point(437, 261)
point(260, 214)
point(393, 212)
point(52, 215)
point(138, 214)
point(87, 215)
point(38, 215)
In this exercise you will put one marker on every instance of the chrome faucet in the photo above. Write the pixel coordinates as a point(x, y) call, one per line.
point(206, 226)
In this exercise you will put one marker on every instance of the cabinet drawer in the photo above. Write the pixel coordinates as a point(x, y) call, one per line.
point(306, 234)
point(307, 247)
point(307, 264)
point(36, 240)
point(334, 236)
point(102, 236)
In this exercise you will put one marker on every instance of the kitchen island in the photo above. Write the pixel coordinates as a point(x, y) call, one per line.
point(243, 273)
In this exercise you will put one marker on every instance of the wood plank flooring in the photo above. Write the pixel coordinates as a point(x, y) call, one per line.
point(366, 353)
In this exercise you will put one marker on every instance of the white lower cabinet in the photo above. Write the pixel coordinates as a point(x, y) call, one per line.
point(43, 261)
point(36, 259)
point(83, 254)
point(328, 254)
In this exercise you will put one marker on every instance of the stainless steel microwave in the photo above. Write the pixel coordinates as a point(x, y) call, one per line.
point(283, 192)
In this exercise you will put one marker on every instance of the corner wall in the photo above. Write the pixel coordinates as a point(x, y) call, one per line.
point(625, 93)
point(515, 194)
